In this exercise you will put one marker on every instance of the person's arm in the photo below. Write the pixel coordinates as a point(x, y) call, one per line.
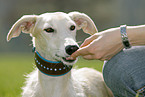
point(136, 35)
point(106, 44)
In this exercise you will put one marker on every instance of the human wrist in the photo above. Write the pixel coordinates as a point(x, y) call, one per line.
point(136, 35)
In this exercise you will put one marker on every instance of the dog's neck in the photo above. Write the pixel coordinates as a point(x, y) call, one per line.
point(61, 85)
point(57, 86)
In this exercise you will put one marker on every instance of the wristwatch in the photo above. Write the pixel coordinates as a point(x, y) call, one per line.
point(124, 37)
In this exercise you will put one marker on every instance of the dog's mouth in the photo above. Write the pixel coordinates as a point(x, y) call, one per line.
point(65, 61)
point(70, 61)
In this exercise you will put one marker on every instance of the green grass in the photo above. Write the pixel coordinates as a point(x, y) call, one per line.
point(12, 69)
point(14, 66)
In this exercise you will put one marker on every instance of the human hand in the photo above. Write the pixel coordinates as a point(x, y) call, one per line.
point(101, 46)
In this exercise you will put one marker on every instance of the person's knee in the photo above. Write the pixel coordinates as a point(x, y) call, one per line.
point(126, 71)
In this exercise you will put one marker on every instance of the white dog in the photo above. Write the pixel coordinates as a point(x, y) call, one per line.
point(54, 39)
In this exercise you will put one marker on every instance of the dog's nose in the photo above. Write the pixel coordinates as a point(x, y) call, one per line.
point(71, 49)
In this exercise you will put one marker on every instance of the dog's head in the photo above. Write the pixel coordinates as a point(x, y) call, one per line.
point(54, 33)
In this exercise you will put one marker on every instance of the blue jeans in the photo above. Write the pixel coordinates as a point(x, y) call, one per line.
point(124, 74)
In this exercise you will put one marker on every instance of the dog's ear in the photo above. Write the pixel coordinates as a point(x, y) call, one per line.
point(24, 24)
point(83, 21)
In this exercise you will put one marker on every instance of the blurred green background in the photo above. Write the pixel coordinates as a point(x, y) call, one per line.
point(15, 65)
point(16, 58)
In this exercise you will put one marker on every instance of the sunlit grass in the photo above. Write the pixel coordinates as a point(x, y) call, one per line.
point(12, 69)
point(14, 66)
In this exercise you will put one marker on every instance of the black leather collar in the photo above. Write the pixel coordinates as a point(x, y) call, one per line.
point(51, 68)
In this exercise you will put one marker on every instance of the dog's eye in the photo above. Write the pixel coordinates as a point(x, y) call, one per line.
point(49, 30)
point(72, 28)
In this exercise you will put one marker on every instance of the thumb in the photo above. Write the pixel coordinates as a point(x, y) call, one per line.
point(80, 52)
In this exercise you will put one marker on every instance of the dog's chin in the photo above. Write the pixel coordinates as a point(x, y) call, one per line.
point(64, 60)
point(68, 62)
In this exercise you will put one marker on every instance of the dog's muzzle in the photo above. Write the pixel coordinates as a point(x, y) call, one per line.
point(71, 49)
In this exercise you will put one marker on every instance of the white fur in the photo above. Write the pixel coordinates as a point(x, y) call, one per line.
point(84, 82)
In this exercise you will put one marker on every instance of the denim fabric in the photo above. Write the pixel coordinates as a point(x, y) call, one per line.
point(125, 72)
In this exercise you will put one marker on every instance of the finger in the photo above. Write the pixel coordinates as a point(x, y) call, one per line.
point(88, 57)
point(92, 57)
point(88, 40)
point(80, 52)
point(103, 59)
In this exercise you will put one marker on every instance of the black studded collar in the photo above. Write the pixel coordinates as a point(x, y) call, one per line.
point(51, 68)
